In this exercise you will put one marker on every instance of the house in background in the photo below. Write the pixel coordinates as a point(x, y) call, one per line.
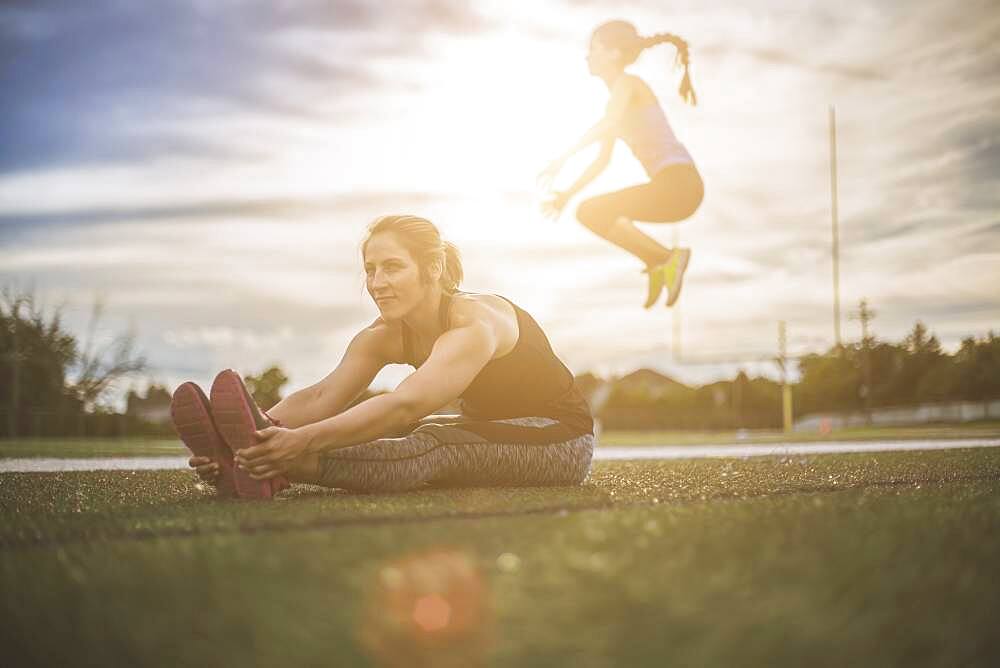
point(154, 407)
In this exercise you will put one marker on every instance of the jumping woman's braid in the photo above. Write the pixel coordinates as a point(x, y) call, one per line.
point(623, 36)
point(686, 90)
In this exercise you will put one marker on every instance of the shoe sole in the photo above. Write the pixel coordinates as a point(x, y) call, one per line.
point(654, 293)
point(672, 295)
point(192, 419)
point(237, 419)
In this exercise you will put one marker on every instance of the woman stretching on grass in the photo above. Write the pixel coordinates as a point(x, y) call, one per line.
point(523, 420)
point(633, 114)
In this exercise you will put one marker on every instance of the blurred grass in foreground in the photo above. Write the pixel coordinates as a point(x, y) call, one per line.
point(823, 559)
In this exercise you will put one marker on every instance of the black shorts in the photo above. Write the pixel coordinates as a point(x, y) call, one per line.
point(674, 194)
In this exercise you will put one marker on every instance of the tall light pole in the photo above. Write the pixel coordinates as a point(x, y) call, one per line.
point(675, 313)
point(836, 234)
point(786, 389)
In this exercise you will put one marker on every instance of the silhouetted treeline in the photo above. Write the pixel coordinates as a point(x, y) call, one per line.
point(850, 378)
point(873, 374)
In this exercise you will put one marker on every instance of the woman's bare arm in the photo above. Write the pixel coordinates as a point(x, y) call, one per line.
point(606, 128)
point(593, 170)
point(364, 358)
point(456, 358)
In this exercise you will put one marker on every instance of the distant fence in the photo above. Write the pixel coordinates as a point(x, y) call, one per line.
point(953, 411)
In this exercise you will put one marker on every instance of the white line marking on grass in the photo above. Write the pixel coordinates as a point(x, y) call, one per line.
point(601, 453)
point(55, 464)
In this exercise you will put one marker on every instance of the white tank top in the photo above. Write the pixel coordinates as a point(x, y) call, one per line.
point(649, 135)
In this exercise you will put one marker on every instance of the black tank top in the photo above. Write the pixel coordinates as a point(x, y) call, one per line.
point(529, 381)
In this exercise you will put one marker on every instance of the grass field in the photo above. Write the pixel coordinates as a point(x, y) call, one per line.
point(864, 559)
point(89, 447)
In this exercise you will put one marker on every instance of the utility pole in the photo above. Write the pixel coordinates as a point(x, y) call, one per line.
point(786, 389)
point(836, 232)
point(866, 315)
point(675, 314)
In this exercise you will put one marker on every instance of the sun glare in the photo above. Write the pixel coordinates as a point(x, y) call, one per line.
point(500, 108)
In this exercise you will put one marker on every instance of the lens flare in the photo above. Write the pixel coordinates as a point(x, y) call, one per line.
point(429, 608)
point(431, 613)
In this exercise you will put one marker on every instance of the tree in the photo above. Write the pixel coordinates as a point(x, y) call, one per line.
point(266, 388)
point(35, 352)
point(38, 359)
point(98, 372)
point(922, 359)
point(978, 368)
point(831, 381)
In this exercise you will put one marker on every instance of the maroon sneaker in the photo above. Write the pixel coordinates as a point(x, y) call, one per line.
point(237, 417)
point(192, 417)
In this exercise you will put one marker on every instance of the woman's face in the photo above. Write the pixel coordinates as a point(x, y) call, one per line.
point(600, 58)
point(392, 276)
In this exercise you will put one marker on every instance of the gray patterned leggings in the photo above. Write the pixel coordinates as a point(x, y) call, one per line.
point(450, 451)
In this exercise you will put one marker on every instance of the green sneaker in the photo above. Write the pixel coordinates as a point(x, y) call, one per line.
point(670, 274)
point(655, 284)
point(674, 273)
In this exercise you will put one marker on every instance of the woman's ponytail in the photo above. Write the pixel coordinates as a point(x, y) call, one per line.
point(623, 36)
point(452, 275)
point(686, 89)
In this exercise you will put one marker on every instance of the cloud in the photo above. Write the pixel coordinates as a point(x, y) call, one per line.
point(96, 84)
point(289, 209)
point(777, 56)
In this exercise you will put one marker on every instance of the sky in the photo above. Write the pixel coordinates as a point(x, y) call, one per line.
point(206, 169)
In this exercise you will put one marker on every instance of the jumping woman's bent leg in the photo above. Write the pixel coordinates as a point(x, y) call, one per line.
point(521, 451)
point(674, 194)
point(602, 215)
point(610, 216)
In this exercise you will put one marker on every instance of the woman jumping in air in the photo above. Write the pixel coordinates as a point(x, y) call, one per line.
point(523, 421)
point(675, 189)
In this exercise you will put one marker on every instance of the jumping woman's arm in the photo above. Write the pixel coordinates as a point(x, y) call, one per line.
point(593, 170)
point(605, 132)
point(554, 206)
point(605, 129)
point(364, 358)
